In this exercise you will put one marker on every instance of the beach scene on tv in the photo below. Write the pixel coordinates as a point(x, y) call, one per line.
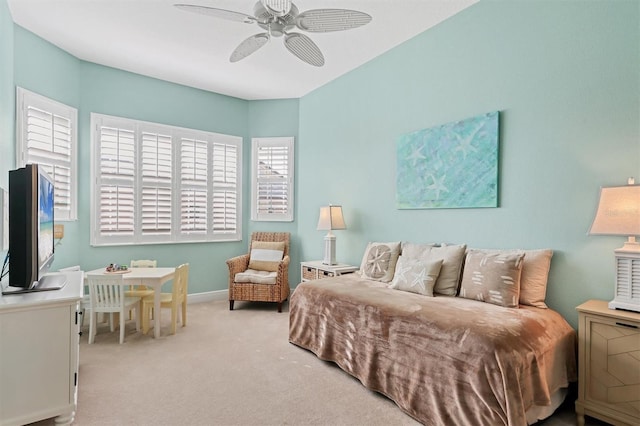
point(45, 234)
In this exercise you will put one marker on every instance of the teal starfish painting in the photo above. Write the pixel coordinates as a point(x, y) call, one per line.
point(454, 165)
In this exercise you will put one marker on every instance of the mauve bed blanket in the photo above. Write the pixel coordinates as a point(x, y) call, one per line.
point(443, 360)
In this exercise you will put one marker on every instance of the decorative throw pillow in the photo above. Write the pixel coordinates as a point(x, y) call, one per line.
point(266, 255)
point(379, 261)
point(535, 273)
point(492, 277)
point(452, 257)
point(415, 251)
point(415, 275)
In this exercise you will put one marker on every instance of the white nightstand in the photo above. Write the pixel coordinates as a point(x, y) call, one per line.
point(315, 269)
point(609, 365)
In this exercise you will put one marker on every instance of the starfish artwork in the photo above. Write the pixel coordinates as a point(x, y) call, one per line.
point(453, 165)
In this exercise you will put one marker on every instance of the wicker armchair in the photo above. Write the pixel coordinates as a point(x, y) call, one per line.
point(278, 292)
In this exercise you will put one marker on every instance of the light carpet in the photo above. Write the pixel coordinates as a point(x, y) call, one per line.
point(225, 368)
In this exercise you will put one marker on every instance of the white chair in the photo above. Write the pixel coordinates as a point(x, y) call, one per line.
point(106, 294)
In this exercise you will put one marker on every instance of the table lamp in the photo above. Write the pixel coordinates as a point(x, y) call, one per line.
point(330, 218)
point(619, 214)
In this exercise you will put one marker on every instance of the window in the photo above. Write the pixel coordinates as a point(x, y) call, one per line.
point(155, 183)
point(272, 179)
point(46, 133)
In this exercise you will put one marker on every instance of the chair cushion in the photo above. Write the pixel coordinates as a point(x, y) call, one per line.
point(266, 255)
point(256, 277)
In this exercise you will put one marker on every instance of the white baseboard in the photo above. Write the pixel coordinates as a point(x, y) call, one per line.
point(208, 296)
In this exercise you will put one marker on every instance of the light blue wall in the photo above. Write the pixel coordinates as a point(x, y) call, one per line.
point(7, 102)
point(273, 118)
point(564, 76)
point(45, 69)
point(114, 92)
point(7, 95)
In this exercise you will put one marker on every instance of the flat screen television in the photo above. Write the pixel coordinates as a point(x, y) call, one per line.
point(31, 237)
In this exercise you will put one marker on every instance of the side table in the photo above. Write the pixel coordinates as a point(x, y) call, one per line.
point(609, 365)
point(315, 270)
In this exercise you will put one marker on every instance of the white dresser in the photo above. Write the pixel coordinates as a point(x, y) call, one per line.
point(39, 345)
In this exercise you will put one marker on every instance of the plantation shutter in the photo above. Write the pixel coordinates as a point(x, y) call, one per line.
point(273, 179)
point(116, 181)
point(156, 192)
point(225, 188)
point(47, 129)
point(154, 183)
point(194, 179)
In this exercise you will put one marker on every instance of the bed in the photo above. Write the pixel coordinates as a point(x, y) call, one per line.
point(443, 360)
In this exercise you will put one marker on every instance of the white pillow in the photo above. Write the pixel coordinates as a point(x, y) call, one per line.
point(416, 276)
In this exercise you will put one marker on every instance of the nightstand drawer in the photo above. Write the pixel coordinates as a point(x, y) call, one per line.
point(309, 273)
point(315, 270)
point(326, 274)
point(613, 371)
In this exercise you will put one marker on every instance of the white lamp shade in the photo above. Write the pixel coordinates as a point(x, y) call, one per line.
point(618, 211)
point(331, 218)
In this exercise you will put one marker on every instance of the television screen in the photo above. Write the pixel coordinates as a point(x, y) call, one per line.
point(45, 222)
point(31, 237)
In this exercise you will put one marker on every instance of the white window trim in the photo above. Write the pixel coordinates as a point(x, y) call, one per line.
point(277, 142)
point(98, 120)
point(26, 98)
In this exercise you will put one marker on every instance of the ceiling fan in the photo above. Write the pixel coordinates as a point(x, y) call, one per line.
point(278, 18)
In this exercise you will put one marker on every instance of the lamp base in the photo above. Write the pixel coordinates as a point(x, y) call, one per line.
point(329, 249)
point(627, 291)
point(624, 305)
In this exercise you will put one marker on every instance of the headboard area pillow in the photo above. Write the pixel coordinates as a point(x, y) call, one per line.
point(492, 277)
point(452, 257)
point(379, 261)
point(415, 251)
point(416, 276)
point(535, 273)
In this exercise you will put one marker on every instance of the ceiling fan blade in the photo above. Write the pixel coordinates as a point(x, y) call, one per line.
point(304, 48)
point(218, 13)
point(326, 20)
point(277, 7)
point(249, 46)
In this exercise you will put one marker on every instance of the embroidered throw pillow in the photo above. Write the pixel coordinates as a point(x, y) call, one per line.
point(535, 273)
point(416, 276)
point(266, 255)
point(492, 277)
point(379, 261)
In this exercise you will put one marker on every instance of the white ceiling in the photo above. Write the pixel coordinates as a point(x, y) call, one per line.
point(153, 38)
